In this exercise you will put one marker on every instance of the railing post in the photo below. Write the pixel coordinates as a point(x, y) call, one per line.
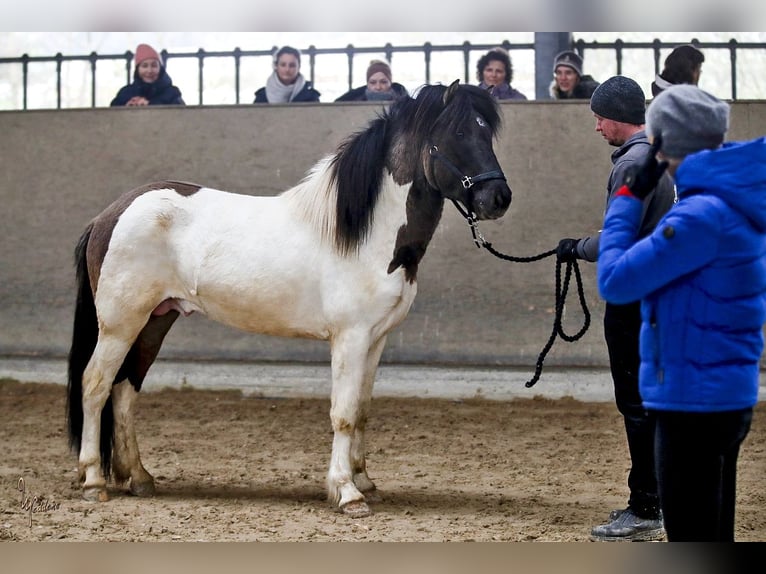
point(128, 58)
point(618, 54)
point(59, 59)
point(427, 56)
point(93, 59)
point(312, 62)
point(237, 58)
point(656, 46)
point(25, 77)
point(388, 49)
point(350, 58)
point(733, 60)
point(466, 61)
point(201, 65)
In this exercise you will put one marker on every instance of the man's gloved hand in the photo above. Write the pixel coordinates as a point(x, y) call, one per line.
point(642, 178)
point(567, 250)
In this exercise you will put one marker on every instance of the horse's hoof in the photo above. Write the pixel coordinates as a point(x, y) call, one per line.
point(95, 494)
point(142, 489)
point(356, 509)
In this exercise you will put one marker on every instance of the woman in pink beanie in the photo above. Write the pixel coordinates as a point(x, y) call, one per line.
point(151, 84)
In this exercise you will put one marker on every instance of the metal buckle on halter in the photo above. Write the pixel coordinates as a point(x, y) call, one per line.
point(478, 238)
point(467, 182)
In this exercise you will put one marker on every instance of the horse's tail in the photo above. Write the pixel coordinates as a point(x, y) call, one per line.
point(84, 338)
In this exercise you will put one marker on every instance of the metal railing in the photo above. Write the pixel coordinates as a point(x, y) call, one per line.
point(619, 47)
point(313, 55)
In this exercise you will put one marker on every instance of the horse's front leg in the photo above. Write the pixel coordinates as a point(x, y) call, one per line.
point(126, 461)
point(358, 447)
point(349, 362)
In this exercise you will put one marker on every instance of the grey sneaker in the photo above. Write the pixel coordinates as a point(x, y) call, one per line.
point(624, 525)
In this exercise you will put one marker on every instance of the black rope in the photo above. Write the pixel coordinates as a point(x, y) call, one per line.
point(561, 294)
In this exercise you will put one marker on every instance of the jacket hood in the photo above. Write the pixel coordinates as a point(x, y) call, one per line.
point(735, 172)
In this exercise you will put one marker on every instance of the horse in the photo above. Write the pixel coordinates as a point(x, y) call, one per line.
point(333, 258)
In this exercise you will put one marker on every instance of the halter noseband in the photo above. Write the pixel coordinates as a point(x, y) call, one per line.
point(466, 180)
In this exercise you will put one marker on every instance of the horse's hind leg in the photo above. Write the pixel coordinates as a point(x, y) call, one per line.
point(126, 462)
point(97, 384)
point(358, 447)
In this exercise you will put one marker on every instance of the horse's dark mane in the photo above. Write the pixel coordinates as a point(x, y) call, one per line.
point(394, 140)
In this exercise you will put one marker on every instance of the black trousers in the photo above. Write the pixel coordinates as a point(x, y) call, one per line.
point(622, 324)
point(696, 456)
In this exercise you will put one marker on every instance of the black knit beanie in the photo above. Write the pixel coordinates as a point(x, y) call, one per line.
point(620, 99)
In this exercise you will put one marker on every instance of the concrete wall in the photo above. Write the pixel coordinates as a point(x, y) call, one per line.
point(60, 168)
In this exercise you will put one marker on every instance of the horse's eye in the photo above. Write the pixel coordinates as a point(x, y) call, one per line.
point(480, 121)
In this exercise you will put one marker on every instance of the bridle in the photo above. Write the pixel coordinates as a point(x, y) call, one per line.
point(467, 181)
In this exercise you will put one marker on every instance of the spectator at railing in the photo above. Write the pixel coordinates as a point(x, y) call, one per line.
point(682, 66)
point(286, 84)
point(569, 83)
point(379, 87)
point(494, 71)
point(151, 84)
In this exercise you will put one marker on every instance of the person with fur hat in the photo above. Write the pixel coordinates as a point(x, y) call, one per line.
point(151, 84)
point(286, 84)
point(494, 72)
point(701, 279)
point(379, 87)
point(682, 66)
point(569, 83)
point(619, 107)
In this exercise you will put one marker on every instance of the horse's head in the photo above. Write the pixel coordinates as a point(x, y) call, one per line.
point(458, 156)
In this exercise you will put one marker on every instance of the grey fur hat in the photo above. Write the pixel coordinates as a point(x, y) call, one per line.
point(688, 119)
point(620, 99)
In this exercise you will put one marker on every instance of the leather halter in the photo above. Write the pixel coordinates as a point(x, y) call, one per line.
point(467, 182)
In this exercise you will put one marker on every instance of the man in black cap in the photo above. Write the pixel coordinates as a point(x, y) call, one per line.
point(569, 83)
point(619, 106)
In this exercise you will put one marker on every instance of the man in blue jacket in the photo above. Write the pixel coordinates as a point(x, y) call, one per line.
point(701, 279)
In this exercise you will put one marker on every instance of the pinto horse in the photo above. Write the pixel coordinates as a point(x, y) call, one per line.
point(333, 258)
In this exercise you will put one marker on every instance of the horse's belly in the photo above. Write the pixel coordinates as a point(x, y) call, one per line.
point(282, 316)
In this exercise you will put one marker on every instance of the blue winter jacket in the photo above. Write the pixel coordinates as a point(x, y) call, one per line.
point(701, 278)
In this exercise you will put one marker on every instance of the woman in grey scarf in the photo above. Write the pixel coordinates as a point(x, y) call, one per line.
point(286, 84)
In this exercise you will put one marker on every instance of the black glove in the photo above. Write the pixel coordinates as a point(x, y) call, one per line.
point(642, 178)
point(567, 249)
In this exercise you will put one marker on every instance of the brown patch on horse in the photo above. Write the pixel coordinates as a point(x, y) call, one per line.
point(104, 224)
point(145, 348)
point(424, 210)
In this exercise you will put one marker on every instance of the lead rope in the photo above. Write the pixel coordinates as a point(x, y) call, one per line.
point(562, 289)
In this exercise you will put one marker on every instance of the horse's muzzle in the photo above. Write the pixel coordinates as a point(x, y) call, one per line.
point(492, 199)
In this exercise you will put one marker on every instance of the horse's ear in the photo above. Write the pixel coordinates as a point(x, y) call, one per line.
point(450, 91)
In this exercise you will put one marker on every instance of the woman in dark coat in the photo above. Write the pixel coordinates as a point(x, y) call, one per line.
point(494, 72)
point(379, 86)
point(682, 66)
point(286, 84)
point(151, 84)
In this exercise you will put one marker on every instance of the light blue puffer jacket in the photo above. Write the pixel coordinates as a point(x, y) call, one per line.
point(701, 276)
